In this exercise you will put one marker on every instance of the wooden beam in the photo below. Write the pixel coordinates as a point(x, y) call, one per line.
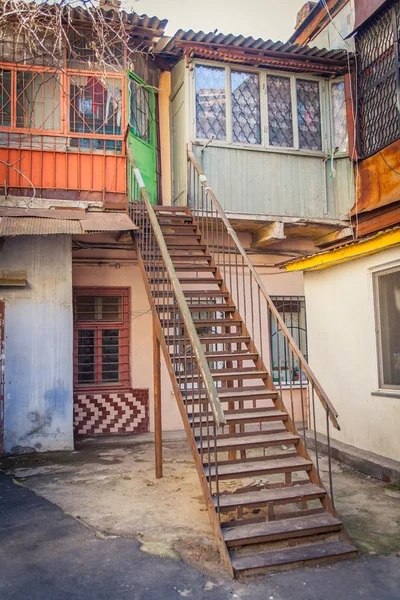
point(157, 403)
point(273, 232)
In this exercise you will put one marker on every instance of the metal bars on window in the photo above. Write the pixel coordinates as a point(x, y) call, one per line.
point(378, 81)
point(141, 110)
point(101, 337)
point(230, 108)
point(293, 313)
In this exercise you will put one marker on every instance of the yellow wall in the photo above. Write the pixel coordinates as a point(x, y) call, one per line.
point(165, 139)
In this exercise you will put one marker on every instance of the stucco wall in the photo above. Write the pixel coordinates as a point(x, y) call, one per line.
point(128, 275)
point(38, 344)
point(343, 355)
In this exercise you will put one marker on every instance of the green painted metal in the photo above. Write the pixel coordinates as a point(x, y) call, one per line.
point(142, 146)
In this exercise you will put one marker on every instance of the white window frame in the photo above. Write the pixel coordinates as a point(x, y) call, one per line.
point(376, 273)
point(346, 152)
point(264, 146)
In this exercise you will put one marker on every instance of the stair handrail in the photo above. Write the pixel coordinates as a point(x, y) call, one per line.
point(325, 401)
point(209, 385)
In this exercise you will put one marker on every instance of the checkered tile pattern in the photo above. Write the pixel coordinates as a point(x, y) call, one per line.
point(111, 412)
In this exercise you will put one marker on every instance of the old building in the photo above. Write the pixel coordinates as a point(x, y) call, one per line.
point(148, 203)
point(352, 288)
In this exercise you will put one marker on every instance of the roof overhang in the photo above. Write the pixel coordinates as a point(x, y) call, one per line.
point(16, 222)
point(238, 49)
point(383, 240)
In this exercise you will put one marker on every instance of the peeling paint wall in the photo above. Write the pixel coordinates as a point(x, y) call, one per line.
point(38, 344)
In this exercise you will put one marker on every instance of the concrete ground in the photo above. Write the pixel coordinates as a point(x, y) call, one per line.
point(118, 526)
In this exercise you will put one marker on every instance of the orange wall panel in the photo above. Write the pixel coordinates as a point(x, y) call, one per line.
point(66, 171)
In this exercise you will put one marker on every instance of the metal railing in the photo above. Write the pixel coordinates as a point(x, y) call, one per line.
point(190, 368)
point(256, 308)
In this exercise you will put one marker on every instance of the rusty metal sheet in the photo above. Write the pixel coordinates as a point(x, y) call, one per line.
point(100, 221)
point(364, 9)
point(11, 226)
point(49, 213)
point(378, 180)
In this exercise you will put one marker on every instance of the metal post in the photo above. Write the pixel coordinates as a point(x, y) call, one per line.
point(157, 404)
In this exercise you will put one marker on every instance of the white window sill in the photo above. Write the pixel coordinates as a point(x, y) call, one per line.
point(387, 393)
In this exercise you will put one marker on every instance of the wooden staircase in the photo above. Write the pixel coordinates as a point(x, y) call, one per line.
point(268, 506)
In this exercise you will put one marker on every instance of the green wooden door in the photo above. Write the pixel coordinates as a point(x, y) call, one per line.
point(142, 135)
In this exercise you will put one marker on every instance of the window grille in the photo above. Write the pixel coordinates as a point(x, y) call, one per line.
point(280, 119)
point(339, 117)
point(101, 337)
point(309, 114)
point(377, 46)
point(284, 365)
point(38, 100)
point(387, 302)
point(246, 121)
point(5, 98)
point(210, 102)
point(95, 105)
point(141, 110)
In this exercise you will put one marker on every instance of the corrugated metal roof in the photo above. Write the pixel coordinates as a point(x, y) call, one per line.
point(10, 226)
point(96, 222)
point(81, 14)
point(256, 47)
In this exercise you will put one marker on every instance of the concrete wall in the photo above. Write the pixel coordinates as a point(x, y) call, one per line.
point(343, 353)
point(128, 275)
point(335, 33)
point(38, 344)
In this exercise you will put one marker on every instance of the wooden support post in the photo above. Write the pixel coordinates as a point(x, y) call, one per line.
point(157, 405)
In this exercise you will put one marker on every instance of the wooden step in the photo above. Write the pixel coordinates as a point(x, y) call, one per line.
point(272, 427)
point(221, 338)
point(242, 417)
point(185, 268)
point(207, 308)
point(184, 280)
point(281, 495)
point(248, 468)
point(294, 556)
point(185, 245)
point(184, 236)
point(193, 293)
point(206, 323)
point(225, 356)
point(234, 374)
point(270, 531)
point(239, 393)
point(260, 440)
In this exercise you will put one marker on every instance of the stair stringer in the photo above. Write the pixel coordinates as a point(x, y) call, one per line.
point(278, 402)
point(212, 513)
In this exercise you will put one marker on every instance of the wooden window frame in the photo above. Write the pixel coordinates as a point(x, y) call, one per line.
point(124, 326)
point(324, 89)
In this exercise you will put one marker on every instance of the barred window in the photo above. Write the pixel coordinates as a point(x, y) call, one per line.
point(309, 114)
point(101, 337)
point(141, 110)
point(210, 102)
point(285, 369)
point(95, 105)
point(246, 122)
point(378, 81)
point(339, 118)
point(230, 108)
point(5, 98)
point(280, 119)
point(38, 100)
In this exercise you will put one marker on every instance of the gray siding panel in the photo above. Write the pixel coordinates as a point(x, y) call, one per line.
point(252, 182)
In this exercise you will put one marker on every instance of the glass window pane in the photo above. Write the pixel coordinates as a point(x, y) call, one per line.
point(99, 308)
point(5, 98)
point(280, 117)
point(389, 329)
point(309, 114)
point(86, 356)
point(95, 105)
point(110, 355)
point(285, 367)
point(38, 100)
point(339, 118)
point(246, 123)
point(140, 110)
point(210, 102)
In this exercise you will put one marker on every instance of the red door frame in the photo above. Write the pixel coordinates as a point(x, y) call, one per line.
point(2, 372)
